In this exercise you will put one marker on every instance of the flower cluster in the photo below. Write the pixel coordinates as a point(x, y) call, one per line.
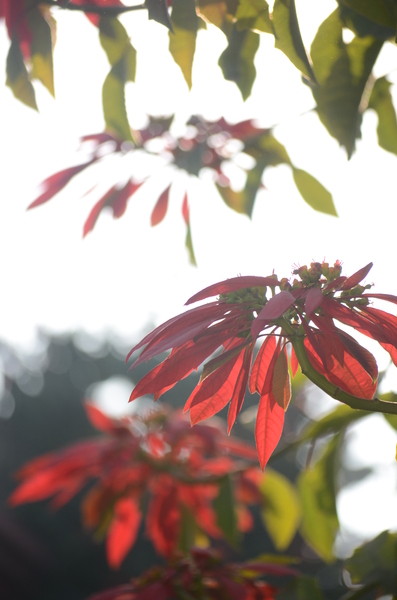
point(160, 455)
point(202, 574)
point(301, 313)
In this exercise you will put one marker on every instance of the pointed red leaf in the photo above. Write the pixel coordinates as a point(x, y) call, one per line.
point(123, 531)
point(160, 209)
point(54, 184)
point(274, 309)
point(358, 276)
point(98, 419)
point(313, 300)
point(261, 364)
point(163, 517)
point(294, 362)
point(236, 401)
point(281, 384)
point(392, 351)
point(185, 209)
point(387, 297)
point(268, 427)
point(232, 285)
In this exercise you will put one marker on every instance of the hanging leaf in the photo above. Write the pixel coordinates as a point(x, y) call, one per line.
point(281, 511)
point(218, 12)
point(381, 12)
point(224, 506)
point(17, 76)
point(313, 192)
point(160, 209)
point(182, 43)
point(122, 57)
point(342, 71)
point(317, 491)
point(254, 14)
point(237, 61)
point(41, 48)
point(281, 386)
point(158, 11)
point(268, 428)
point(288, 36)
point(374, 562)
point(333, 423)
point(188, 240)
point(123, 531)
point(381, 102)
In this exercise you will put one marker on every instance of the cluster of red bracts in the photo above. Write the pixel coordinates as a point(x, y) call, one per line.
point(244, 313)
point(160, 455)
point(202, 574)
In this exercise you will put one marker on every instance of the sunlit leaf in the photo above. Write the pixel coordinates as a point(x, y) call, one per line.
point(17, 76)
point(224, 506)
point(342, 71)
point(288, 37)
point(218, 12)
point(237, 61)
point(268, 427)
point(281, 386)
point(182, 42)
point(381, 101)
point(123, 531)
point(381, 11)
point(254, 14)
point(313, 192)
point(41, 49)
point(281, 510)
point(317, 492)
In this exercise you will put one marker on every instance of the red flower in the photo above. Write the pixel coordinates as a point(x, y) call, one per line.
point(181, 468)
point(201, 574)
point(302, 313)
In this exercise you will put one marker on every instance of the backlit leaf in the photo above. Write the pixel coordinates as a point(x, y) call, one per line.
point(313, 192)
point(41, 49)
point(182, 42)
point(281, 510)
point(381, 11)
point(237, 61)
point(381, 101)
point(231, 285)
point(342, 71)
point(224, 506)
point(268, 427)
point(123, 531)
point(254, 14)
point(317, 491)
point(160, 209)
point(261, 364)
point(288, 37)
point(281, 385)
point(158, 11)
point(332, 423)
point(17, 76)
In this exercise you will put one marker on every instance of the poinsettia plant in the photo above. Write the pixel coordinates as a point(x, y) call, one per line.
point(193, 477)
point(296, 326)
point(216, 146)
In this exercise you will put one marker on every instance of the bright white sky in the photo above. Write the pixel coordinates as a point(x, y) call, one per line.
point(125, 274)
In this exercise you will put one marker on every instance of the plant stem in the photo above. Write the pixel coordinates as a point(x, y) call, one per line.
point(111, 11)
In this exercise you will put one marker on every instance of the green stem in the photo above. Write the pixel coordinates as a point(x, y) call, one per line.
point(297, 340)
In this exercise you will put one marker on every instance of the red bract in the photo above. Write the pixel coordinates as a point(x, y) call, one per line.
point(202, 574)
point(159, 455)
point(302, 312)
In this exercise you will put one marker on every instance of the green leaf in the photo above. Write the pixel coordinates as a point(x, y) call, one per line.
point(17, 76)
point(382, 12)
point(381, 102)
point(254, 14)
point(158, 11)
point(376, 561)
point(188, 530)
point(225, 511)
point(301, 588)
point(218, 12)
point(41, 49)
point(317, 492)
point(313, 192)
point(122, 56)
point(237, 61)
point(342, 71)
point(189, 246)
point(288, 36)
point(182, 44)
point(334, 422)
point(281, 510)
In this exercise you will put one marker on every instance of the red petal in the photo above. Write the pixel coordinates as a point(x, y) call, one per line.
point(160, 209)
point(231, 285)
point(163, 517)
point(358, 276)
point(268, 427)
point(281, 384)
point(313, 300)
point(237, 399)
point(123, 531)
point(98, 419)
point(387, 297)
point(261, 364)
point(274, 309)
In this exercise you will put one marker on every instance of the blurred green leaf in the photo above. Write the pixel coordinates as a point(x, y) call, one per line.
point(316, 486)
point(237, 61)
point(281, 511)
point(158, 11)
point(382, 12)
point(342, 71)
point(17, 76)
point(218, 12)
point(41, 49)
point(313, 192)
point(334, 422)
point(301, 588)
point(376, 561)
point(122, 57)
point(288, 36)
point(188, 530)
point(254, 14)
point(382, 103)
point(225, 511)
point(189, 246)
point(182, 43)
